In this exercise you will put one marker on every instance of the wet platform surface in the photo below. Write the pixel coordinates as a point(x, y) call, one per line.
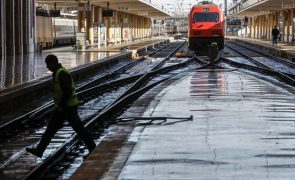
point(243, 128)
point(17, 70)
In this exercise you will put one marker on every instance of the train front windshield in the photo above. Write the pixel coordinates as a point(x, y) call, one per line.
point(206, 17)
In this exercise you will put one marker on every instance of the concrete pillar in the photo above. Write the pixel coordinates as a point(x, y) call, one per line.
point(113, 27)
point(96, 19)
point(17, 30)
point(2, 29)
point(133, 27)
point(268, 30)
point(106, 21)
point(260, 27)
point(119, 25)
point(251, 26)
point(142, 27)
point(96, 14)
point(28, 24)
point(25, 26)
point(128, 27)
point(292, 23)
point(138, 27)
point(18, 27)
point(81, 18)
point(100, 20)
point(265, 26)
point(255, 27)
point(10, 30)
point(89, 25)
point(123, 26)
point(289, 25)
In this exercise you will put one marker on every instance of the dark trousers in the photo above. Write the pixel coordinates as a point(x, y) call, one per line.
point(56, 122)
point(274, 40)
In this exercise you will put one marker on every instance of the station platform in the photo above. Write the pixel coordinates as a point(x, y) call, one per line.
point(283, 50)
point(19, 70)
point(252, 137)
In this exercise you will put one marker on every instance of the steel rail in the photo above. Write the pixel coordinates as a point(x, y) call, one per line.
point(281, 60)
point(288, 75)
point(269, 72)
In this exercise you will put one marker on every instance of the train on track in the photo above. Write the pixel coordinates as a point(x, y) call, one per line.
point(205, 26)
point(56, 31)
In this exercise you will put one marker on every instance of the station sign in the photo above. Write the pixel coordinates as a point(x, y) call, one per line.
point(107, 13)
point(54, 13)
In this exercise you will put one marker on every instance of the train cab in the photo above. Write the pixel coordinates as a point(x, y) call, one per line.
point(206, 26)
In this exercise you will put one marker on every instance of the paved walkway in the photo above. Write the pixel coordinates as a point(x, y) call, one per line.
point(243, 128)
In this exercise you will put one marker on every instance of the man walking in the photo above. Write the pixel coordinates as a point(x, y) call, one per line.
point(65, 102)
point(275, 34)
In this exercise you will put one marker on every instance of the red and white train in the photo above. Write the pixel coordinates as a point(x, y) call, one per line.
point(206, 26)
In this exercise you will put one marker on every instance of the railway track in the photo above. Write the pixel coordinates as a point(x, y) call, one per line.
point(95, 100)
point(265, 71)
point(277, 59)
point(101, 103)
point(115, 74)
point(263, 60)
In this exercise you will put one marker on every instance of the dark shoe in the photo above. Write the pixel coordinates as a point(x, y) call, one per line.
point(35, 152)
point(90, 148)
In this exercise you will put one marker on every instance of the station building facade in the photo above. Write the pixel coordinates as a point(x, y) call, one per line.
point(258, 17)
point(102, 23)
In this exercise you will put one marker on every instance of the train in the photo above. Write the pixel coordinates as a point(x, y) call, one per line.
point(55, 31)
point(205, 26)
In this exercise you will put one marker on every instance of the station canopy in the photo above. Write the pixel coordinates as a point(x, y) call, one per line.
point(265, 7)
point(136, 7)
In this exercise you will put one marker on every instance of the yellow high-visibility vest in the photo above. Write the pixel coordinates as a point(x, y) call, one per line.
point(57, 91)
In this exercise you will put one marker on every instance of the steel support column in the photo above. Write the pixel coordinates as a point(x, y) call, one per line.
point(2, 29)
point(18, 27)
point(292, 24)
point(81, 18)
point(28, 24)
point(10, 30)
point(25, 26)
point(17, 30)
point(89, 25)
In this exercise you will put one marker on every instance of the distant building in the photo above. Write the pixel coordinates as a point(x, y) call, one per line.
point(239, 5)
